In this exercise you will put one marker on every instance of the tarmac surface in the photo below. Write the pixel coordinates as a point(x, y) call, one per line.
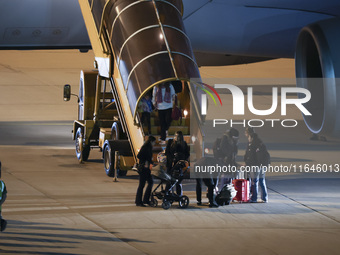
point(57, 206)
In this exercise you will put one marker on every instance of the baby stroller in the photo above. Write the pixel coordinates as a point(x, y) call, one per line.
point(168, 181)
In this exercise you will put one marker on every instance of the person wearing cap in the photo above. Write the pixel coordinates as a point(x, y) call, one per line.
point(3, 196)
point(229, 140)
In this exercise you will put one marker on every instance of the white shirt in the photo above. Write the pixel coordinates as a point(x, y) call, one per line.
point(164, 105)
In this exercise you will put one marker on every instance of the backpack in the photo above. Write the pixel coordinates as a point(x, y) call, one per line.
point(226, 195)
point(223, 147)
point(176, 113)
point(262, 155)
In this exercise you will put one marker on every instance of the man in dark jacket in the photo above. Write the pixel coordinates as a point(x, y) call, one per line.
point(209, 182)
point(229, 150)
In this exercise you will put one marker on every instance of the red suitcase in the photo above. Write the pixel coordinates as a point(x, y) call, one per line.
point(242, 188)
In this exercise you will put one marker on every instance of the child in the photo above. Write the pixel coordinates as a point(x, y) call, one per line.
point(3, 196)
point(145, 107)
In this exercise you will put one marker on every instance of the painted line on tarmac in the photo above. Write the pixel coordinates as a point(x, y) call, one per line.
point(62, 208)
point(20, 123)
point(71, 147)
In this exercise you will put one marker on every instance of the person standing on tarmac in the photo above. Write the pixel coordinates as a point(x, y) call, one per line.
point(249, 131)
point(3, 196)
point(252, 158)
point(176, 149)
point(209, 182)
point(230, 140)
point(145, 160)
point(226, 149)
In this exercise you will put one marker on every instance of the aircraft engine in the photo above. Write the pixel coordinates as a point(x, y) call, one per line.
point(317, 64)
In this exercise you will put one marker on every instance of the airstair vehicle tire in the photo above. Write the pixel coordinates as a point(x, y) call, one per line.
point(109, 161)
point(109, 156)
point(82, 150)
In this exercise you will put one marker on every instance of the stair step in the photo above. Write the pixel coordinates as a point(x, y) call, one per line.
point(173, 129)
point(155, 130)
point(184, 122)
point(158, 137)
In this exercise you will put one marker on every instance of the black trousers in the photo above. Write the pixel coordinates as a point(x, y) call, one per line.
point(209, 182)
point(144, 177)
point(164, 121)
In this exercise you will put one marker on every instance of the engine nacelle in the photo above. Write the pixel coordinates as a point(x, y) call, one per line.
point(317, 63)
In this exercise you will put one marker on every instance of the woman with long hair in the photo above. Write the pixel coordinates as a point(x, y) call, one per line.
point(145, 160)
point(176, 149)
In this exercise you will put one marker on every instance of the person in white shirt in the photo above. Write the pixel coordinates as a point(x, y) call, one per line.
point(163, 98)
